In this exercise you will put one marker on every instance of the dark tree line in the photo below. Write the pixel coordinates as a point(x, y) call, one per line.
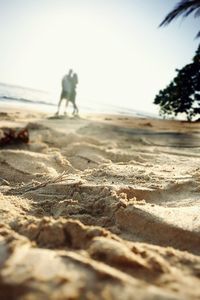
point(182, 95)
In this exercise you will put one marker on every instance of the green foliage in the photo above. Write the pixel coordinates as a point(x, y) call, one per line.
point(182, 95)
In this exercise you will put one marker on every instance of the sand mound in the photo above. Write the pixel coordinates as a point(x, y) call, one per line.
point(99, 204)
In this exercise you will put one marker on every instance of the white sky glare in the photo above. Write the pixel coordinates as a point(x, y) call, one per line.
point(115, 46)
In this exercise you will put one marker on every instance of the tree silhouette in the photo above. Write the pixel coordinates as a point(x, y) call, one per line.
point(182, 95)
point(184, 8)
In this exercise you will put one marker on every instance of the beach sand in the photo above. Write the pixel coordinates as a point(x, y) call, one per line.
point(100, 207)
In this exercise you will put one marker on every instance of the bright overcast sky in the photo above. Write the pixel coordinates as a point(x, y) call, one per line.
point(115, 46)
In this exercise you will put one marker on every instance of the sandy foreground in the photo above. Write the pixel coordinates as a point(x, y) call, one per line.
point(100, 207)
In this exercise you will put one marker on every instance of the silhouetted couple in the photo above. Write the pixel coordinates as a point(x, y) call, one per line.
point(69, 83)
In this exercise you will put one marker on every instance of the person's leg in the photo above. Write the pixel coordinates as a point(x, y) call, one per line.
point(74, 108)
point(59, 103)
point(66, 105)
point(73, 97)
point(75, 112)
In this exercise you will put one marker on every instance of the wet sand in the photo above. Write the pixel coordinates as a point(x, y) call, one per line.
point(100, 207)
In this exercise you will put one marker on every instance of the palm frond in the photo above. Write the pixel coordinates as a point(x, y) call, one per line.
point(184, 8)
point(198, 35)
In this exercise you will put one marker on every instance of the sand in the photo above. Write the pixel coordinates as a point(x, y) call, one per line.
point(100, 207)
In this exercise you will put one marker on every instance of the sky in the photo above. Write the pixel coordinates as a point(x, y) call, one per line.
point(115, 46)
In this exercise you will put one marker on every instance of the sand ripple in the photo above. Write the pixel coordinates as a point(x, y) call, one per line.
point(101, 209)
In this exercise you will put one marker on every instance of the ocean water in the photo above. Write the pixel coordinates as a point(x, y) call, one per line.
point(41, 100)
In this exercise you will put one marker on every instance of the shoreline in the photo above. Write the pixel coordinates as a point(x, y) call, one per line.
point(85, 107)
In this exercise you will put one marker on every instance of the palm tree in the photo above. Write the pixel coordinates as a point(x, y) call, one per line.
point(184, 8)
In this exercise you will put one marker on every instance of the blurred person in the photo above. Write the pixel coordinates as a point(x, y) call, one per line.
point(66, 90)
